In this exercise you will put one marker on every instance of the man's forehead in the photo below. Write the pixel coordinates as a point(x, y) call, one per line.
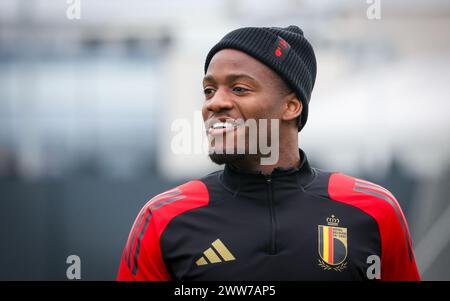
point(235, 62)
point(230, 77)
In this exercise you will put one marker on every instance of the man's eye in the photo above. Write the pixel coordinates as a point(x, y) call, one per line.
point(208, 91)
point(240, 89)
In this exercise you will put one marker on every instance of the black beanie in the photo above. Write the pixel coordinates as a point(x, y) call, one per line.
point(284, 50)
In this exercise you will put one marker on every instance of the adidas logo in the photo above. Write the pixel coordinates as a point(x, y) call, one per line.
point(211, 255)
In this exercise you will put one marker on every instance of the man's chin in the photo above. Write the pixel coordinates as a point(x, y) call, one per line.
point(226, 158)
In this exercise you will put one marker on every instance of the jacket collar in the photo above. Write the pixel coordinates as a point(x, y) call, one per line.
point(243, 181)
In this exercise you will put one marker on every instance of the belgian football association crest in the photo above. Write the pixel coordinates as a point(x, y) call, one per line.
point(332, 245)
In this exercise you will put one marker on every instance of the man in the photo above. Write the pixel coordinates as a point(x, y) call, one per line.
point(255, 221)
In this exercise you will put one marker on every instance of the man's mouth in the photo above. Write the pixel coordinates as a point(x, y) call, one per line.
point(220, 127)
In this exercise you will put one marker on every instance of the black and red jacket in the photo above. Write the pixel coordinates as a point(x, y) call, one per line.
point(296, 224)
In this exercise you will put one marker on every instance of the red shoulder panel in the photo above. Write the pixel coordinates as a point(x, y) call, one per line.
point(142, 258)
point(397, 257)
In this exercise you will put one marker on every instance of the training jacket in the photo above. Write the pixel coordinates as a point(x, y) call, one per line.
point(295, 224)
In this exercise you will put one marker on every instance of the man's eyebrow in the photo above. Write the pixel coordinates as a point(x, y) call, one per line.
point(234, 77)
point(209, 79)
point(229, 78)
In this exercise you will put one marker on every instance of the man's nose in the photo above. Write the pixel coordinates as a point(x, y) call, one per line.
point(219, 102)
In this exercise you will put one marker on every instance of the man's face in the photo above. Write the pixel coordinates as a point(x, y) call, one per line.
point(238, 87)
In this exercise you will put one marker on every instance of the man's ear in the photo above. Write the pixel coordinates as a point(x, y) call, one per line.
point(292, 107)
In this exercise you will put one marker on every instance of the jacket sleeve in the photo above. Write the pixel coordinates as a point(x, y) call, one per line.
point(397, 259)
point(397, 256)
point(142, 257)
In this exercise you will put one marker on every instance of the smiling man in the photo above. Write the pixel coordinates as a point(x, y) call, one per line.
point(254, 220)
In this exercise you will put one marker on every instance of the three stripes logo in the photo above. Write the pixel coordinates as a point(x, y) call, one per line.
point(218, 252)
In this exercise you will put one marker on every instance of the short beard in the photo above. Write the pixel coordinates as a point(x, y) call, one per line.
point(226, 158)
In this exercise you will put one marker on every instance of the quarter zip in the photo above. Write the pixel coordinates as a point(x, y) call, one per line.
point(273, 220)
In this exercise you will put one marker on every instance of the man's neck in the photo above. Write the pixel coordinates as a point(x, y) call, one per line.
point(288, 157)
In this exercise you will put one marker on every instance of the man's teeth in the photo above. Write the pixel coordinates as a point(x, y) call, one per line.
point(222, 125)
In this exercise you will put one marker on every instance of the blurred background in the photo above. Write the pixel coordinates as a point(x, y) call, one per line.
point(87, 107)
